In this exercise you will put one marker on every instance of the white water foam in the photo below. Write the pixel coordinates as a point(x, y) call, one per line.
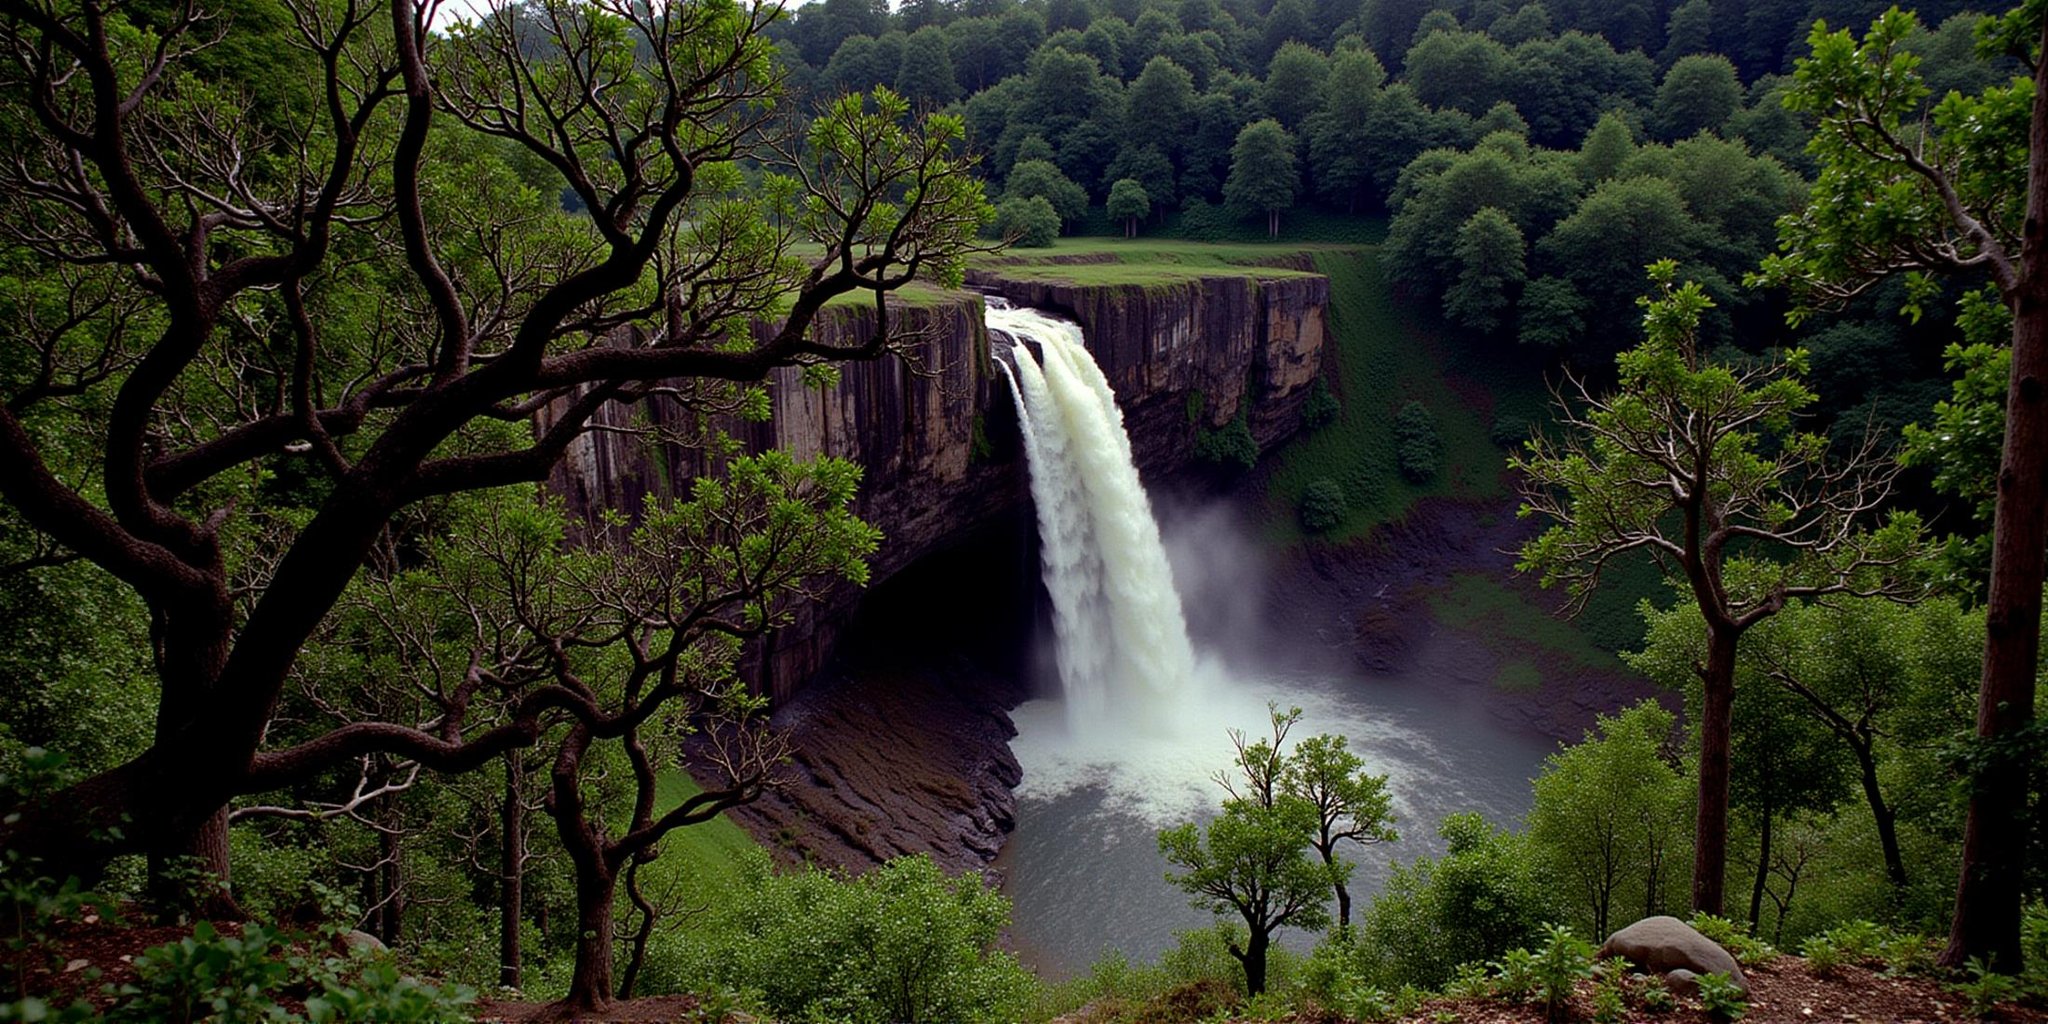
point(1142, 717)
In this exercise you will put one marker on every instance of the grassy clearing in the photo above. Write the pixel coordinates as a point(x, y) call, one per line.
point(1384, 359)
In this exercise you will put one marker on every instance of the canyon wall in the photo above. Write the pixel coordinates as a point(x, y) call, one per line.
point(933, 427)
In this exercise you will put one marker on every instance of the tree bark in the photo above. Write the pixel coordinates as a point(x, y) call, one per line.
point(1710, 828)
point(1254, 960)
point(590, 989)
point(205, 849)
point(1882, 813)
point(512, 825)
point(1988, 893)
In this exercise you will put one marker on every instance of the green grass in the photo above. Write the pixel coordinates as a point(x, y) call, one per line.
point(704, 859)
point(1384, 359)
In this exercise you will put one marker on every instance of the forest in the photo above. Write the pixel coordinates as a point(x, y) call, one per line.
point(336, 690)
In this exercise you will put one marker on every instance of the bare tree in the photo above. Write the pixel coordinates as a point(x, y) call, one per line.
point(345, 283)
point(1677, 464)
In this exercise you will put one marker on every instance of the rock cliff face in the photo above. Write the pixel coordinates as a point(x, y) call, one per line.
point(934, 428)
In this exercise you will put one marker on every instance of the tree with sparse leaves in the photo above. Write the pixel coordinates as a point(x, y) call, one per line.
point(1699, 465)
point(1252, 860)
point(1352, 805)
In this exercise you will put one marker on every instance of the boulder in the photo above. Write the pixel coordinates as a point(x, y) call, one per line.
point(1683, 983)
point(1662, 945)
point(354, 941)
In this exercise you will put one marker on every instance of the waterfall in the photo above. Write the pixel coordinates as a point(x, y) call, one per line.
point(1125, 662)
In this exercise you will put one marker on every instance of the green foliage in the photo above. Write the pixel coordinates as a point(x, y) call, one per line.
point(1699, 93)
point(1042, 179)
point(1747, 949)
point(1611, 820)
point(1560, 964)
point(1417, 448)
point(1610, 991)
point(902, 942)
point(1322, 505)
point(212, 976)
point(1128, 202)
point(1985, 989)
point(1230, 448)
point(1263, 177)
point(1490, 253)
point(1321, 407)
point(1029, 222)
point(1721, 998)
point(1486, 895)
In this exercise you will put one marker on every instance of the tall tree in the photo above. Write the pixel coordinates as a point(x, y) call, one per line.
point(1490, 266)
point(1699, 94)
point(925, 77)
point(1699, 465)
point(1262, 173)
point(131, 166)
point(1965, 194)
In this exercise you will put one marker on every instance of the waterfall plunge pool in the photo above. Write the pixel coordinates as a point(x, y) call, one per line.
point(1141, 721)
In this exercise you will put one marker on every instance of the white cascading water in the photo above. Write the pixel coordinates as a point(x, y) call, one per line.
point(1124, 657)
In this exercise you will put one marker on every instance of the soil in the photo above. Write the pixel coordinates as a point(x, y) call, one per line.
point(647, 1010)
point(1782, 992)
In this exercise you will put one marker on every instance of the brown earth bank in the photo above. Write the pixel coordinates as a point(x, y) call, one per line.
point(645, 1010)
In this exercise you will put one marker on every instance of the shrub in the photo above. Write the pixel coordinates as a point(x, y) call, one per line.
point(211, 976)
point(1654, 995)
point(1482, 898)
point(1320, 409)
point(1509, 431)
point(1230, 448)
point(902, 942)
point(1417, 449)
point(1720, 998)
point(1030, 220)
point(1322, 505)
point(1823, 957)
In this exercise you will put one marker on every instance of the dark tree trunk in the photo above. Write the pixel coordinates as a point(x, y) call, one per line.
point(650, 915)
point(1763, 874)
point(193, 873)
point(1988, 894)
point(1254, 960)
point(1882, 813)
point(1710, 828)
point(591, 987)
point(512, 825)
point(1272, 223)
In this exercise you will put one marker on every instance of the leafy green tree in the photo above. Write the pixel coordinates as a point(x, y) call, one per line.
point(1490, 267)
point(1159, 105)
point(1624, 225)
point(1609, 818)
point(1465, 71)
point(1689, 31)
point(1607, 147)
point(406, 312)
point(1128, 203)
point(1486, 895)
point(1150, 168)
point(1252, 860)
point(1684, 459)
point(1949, 193)
point(1337, 160)
point(925, 77)
point(1529, 22)
point(1550, 313)
point(1040, 179)
point(1262, 172)
point(1352, 805)
point(1030, 222)
point(1294, 85)
point(1700, 93)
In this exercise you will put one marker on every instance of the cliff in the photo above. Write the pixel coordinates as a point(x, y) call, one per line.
point(934, 430)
